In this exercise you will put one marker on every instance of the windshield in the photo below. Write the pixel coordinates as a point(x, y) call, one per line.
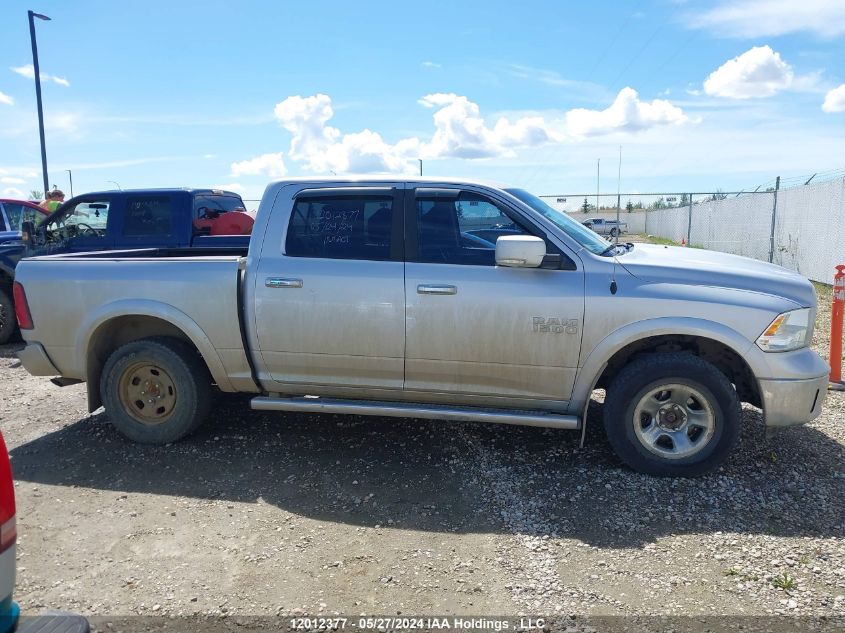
point(577, 231)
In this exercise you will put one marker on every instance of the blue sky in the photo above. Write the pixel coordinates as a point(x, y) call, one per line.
point(701, 95)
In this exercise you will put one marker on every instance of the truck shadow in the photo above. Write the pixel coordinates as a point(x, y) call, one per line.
point(450, 477)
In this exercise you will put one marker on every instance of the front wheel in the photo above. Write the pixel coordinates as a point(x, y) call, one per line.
point(156, 390)
point(672, 414)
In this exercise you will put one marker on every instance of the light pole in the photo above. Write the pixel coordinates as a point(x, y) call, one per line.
point(420, 159)
point(32, 15)
point(70, 176)
point(598, 181)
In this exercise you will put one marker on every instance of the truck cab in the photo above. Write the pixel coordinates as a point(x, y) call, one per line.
point(149, 218)
point(128, 219)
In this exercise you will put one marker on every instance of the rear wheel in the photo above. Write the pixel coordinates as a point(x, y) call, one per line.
point(156, 390)
point(614, 232)
point(672, 414)
point(8, 322)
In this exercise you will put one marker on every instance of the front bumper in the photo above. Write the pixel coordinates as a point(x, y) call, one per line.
point(790, 402)
point(35, 360)
point(793, 385)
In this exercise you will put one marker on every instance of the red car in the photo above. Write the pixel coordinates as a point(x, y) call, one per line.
point(52, 621)
point(13, 213)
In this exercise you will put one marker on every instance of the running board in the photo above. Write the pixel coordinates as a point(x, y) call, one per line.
point(409, 410)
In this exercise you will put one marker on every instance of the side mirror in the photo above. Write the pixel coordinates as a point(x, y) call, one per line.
point(27, 233)
point(520, 251)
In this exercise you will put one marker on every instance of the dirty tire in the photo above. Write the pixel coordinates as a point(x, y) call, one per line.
point(179, 366)
point(8, 321)
point(614, 232)
point(631, 390)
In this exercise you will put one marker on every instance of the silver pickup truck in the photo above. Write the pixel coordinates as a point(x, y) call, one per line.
point(450, 300)
point(606, 227)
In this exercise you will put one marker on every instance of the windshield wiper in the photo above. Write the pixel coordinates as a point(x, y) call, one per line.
point(628, 246)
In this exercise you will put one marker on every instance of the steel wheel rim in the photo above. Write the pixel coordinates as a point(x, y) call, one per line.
point(148, 393)
point(674, 421)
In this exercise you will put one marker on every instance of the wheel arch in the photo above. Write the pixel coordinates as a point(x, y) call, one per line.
point(121, 322)
point(722, 346)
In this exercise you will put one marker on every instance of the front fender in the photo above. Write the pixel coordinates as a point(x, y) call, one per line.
point(146, 307)
point(595, 363)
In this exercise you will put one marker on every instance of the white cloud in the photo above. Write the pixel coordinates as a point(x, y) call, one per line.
point(834, 100)
point(627, 113)
point(10, 180)
point(323, 148)
point(28, 71)
point(461, 132)
point(758, 72)
point(6, 99)
point(765, 18)
point(270, 165)
point(428, 64)
point(11, 192)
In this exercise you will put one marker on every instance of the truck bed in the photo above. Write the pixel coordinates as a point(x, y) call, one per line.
point(195, 290)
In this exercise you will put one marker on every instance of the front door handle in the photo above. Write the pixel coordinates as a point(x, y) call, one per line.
point(436, 289)
point(282, 282)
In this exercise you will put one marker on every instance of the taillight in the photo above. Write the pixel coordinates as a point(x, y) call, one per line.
point(21, 307)
point(8, 531)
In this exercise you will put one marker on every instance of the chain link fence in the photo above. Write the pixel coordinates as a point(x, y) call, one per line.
point(800, 227)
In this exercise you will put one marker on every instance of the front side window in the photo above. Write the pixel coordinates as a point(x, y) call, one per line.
point(354, 227)
point(148, 216)
point(462, 230)
point(85, 218)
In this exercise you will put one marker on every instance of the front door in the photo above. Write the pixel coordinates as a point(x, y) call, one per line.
point(477, 329)
point(330, 294)
point(82, 226)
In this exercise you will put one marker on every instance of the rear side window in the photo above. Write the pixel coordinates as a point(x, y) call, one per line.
point(20, 213)
point(148, 215)
point(3, 226)
point(356, 227)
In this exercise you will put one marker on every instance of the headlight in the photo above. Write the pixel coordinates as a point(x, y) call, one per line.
point(790, 330)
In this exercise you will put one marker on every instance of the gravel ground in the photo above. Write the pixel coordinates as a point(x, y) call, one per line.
point(264, 514)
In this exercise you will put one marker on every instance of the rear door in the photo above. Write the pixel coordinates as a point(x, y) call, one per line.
point(477, 330)
point(329, 291)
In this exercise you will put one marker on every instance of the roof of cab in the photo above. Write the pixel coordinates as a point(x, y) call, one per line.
point(374, 178)
point(190, 190)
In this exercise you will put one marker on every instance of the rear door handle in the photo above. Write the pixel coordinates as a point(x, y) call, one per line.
point(282, 282)
point(436, 289)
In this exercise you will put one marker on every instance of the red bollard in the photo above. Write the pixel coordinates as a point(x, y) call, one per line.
point(836, 314)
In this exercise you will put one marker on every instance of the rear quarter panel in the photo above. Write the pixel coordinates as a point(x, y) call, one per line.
point(71, 298)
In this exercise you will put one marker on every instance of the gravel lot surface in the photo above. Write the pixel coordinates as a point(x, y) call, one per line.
point(267, 514)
